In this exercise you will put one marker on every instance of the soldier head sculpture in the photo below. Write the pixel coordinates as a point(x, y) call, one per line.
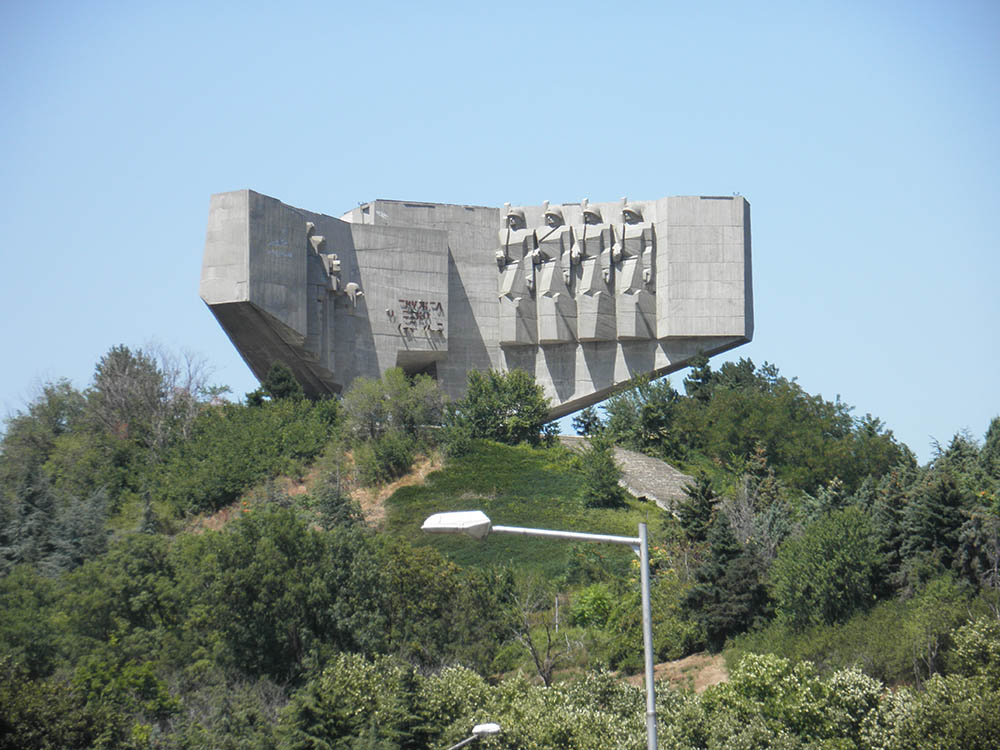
point(632, 215)
point(515, 218)
point(554, 217)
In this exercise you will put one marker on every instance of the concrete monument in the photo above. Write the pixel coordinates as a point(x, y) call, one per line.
point(582, 295)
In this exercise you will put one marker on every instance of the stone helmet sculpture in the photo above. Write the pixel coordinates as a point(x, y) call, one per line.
point(515, 218)
point(632, 214)
point(554, 216)
point(592, 215)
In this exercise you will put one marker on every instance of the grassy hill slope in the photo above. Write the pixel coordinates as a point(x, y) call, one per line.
point(514, 486)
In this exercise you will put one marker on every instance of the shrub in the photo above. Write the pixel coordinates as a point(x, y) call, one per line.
point(827, 573)
point(508, 407)
point(385, 458)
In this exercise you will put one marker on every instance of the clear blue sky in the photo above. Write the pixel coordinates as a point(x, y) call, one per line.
point(866, 137)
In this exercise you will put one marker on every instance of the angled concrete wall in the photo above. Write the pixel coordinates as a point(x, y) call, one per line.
point(583, 295)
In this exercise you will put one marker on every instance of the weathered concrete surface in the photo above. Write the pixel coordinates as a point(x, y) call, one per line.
point(582, 295)
point(644, 476)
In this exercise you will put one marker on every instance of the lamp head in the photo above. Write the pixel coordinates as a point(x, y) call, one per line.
point(475, 523)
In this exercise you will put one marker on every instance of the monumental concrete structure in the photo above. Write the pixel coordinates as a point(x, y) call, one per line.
point(582, 295)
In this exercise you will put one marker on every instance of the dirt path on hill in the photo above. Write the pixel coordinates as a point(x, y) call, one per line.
point(372, 499)
point(696, 672)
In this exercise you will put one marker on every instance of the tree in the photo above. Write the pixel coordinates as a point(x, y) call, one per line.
point(601, 474)
point(394, 402)
point(536, 629)
point(587, 422)
point(29, 439)
point(508, 407)
point(729, 595)
point(698, 508)
point(641, 417)
point(128, 395)
point(989, 456)
point(827, 573)
point(933, 518)
point(279, 592)
point(699, 380)
point(280, 383)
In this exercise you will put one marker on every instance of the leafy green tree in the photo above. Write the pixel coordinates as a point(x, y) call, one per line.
point(808, 440)
point(977, 649)
point(30, 627)
point(642, 417)
point(385, 457)
point(950, 712)
point(52, 713)
point(827, 573)
point(128, 597)
point(355, 703)
point(29, 438)
point(395, 402)
point(279, 593)
point(232, 447)
point(508, 407)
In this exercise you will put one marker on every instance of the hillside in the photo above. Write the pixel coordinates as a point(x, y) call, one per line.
point(177, 571)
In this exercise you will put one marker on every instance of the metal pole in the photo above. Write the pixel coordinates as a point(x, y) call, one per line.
point(640, 545)
point(464, 742)
point(647, 640)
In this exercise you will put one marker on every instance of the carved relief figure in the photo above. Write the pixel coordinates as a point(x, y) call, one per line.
point(593, 241)
point(556, 307)
point(518, 323)
point(635, 266)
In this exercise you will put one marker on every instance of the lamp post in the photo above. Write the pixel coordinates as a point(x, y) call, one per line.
point(477, 524)
point(478, 732)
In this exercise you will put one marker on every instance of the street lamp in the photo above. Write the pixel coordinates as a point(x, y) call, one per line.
point(478, 732)
point(477, 524)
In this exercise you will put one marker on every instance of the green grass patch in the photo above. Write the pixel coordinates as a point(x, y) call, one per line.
point(514, 486)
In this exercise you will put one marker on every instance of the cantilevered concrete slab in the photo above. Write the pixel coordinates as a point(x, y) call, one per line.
point(583, 295)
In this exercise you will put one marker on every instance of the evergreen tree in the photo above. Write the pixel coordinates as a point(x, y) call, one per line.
point(887, 509)
point(933, 518)
point(641, 417)
point(729, 596)
point(280, 383)
point(699, 381)
point(601, 474)
point(587, 422)
point(697, 510)
point(989, 456)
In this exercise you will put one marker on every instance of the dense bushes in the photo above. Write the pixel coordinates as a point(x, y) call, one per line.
point(287, 622)
point(508, 407)
point(768, 702)
point(728, 413)
point(232, 447)
point(388, 419)
point(827, 573)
